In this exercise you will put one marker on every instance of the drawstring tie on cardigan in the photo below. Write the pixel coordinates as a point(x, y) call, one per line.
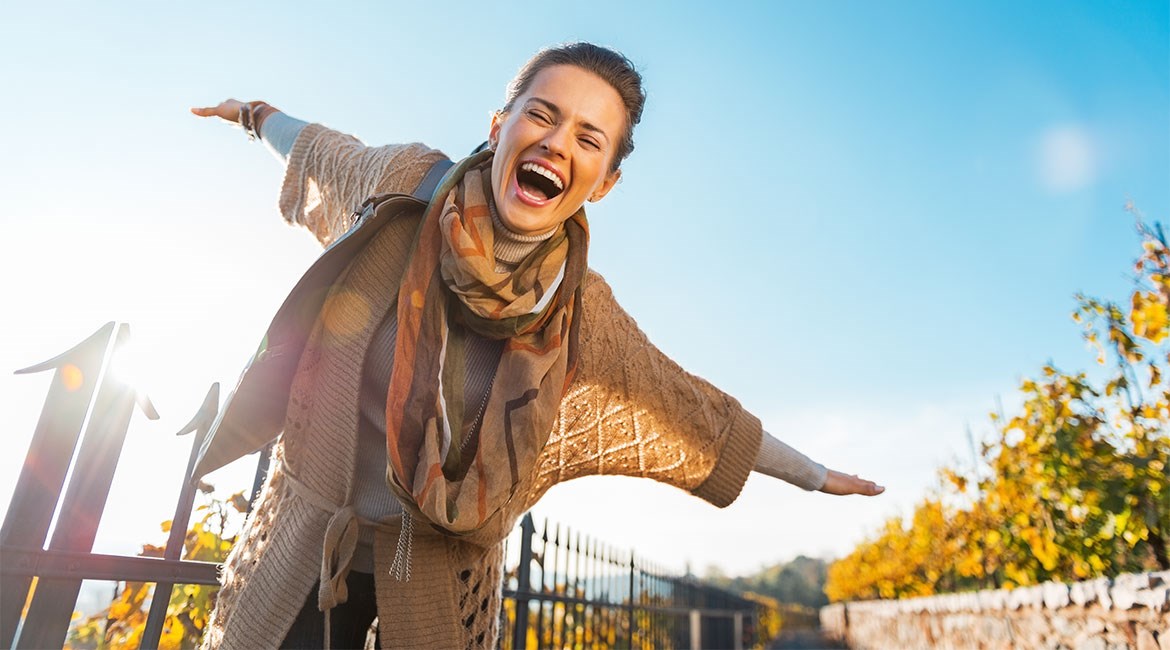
point(341, 534)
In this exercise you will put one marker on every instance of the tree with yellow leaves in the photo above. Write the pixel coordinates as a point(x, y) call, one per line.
point(1073, 487)
point(120, 626)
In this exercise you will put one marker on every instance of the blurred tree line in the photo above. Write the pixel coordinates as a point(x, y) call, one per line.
point(799, 582)
point(1072, 487)
point(789, 593)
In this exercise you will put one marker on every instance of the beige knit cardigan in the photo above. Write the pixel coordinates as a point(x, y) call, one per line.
point(629, 411)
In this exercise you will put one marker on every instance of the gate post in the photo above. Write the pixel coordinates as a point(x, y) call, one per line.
point(632, 621)
point(523, 583)
point(39, 487)
point(737, 630)
point(696, 630)
point(85, 499)
point(160, 601)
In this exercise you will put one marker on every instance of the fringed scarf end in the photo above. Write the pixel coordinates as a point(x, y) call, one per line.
point(400, 569)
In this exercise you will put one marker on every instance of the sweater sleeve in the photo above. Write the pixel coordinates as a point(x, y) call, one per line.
point(330, 173)
point(778, 460)
point(633, 411)
point(279, 131)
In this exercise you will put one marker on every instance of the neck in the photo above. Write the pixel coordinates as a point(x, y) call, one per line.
point(512, 247)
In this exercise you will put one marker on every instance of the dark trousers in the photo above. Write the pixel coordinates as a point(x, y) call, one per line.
point(348, 622)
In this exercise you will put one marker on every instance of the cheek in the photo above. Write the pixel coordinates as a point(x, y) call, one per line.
point(496, 179)
point(591, 176)
point(516, 134)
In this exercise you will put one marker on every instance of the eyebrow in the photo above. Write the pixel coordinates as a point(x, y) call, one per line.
point(552, 108)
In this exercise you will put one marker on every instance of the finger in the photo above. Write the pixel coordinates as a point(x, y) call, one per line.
point(206, 111)
point(228, 110)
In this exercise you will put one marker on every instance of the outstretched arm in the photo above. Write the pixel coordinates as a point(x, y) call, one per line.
point(778, 460)
point(329, 173)
point(631, 410)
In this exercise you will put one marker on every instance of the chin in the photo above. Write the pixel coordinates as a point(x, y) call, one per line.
point(525, 224)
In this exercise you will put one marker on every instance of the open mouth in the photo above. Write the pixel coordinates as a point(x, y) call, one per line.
point(538, 182)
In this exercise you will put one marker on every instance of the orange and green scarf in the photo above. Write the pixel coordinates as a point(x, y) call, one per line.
point(456, 474)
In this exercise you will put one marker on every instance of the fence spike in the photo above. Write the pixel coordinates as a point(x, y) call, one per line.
point(70, 355)
point(144, 404)
point(205, 415)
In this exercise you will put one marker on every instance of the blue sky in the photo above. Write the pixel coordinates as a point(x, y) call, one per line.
point(863, 220)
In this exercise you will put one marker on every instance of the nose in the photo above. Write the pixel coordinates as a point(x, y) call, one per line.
point(555, 141)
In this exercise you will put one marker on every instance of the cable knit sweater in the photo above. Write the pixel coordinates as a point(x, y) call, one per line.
point(629, 411)
point(278, 132)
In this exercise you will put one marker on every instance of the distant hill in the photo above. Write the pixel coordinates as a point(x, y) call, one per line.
point(801, 581)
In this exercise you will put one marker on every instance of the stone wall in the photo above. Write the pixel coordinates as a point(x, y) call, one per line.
point(1130, 611)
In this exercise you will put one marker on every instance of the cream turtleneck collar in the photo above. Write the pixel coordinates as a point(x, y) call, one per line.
point(511, 247)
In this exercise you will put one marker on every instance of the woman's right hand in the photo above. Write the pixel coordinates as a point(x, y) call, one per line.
point(841, 484)
point(228, 109)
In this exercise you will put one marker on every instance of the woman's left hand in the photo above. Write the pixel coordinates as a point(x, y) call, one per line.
point(841, 484)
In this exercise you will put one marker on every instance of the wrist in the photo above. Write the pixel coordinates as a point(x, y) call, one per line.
point(831, 484)
point(261, 113)
point(251, 115)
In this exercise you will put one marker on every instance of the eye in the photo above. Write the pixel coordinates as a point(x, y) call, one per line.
point(539, 116)
point(589, 142)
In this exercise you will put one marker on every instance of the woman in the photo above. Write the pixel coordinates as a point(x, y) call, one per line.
point(462, 362)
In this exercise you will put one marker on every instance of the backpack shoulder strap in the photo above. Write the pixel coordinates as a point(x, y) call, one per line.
point(426, 187)
point(423, 192)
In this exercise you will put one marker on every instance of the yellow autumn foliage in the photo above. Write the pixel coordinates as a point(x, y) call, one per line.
point(1072, 487)
point(121, 625)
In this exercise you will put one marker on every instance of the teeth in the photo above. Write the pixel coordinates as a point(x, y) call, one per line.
point(533, 167)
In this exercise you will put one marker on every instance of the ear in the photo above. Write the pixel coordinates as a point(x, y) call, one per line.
point(494, 129)
point(605, 186)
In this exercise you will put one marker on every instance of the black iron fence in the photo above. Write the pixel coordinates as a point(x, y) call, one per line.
point(562, 589)
point(568, 590)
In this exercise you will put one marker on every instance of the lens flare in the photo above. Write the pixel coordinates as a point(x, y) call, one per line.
point(71, 377)
point(346, 313)
point(131, 366)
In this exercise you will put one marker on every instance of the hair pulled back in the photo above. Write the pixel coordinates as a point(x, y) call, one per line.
point(613, 67)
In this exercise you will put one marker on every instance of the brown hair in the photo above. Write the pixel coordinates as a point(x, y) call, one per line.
point(613, 67)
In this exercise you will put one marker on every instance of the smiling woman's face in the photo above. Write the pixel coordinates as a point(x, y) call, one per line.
point(554, 148)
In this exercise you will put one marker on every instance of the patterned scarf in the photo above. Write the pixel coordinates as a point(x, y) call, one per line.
point(456, 475)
